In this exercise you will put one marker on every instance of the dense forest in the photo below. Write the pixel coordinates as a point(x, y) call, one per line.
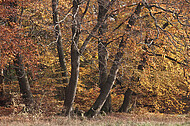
point(94, 56)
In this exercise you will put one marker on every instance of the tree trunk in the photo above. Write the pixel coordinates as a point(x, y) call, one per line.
point(23, 80)
point(2, 92)
point(102, 52)
point(107, 105)
point(128, 93)
point(75, 62)
point(102, 56)
point(126, 101)
point(96, 107)
point(59, 41)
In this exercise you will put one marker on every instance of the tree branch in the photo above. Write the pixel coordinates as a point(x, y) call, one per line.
point(83, 47)
point(86, 9)
point(170, 58)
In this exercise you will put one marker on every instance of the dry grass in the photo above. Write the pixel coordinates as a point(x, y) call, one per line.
point(114, 119)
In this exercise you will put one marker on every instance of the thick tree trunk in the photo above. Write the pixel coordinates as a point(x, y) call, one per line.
point(107, 105)
point(71, 88)
point(23, 80)
point(75, 62)
point(96, 107)
point(102, 52)
point(102, 56)
point(59, 41)
point(126, 101)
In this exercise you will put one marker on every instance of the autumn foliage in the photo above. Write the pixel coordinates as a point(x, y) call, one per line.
point(155, 62)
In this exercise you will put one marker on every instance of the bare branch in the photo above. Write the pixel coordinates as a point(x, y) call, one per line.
point(120, 24)
point(175, 15)
point(83, 47)
point(170, 58)
point(68, 13)
point(86, 9)
point(187, 1)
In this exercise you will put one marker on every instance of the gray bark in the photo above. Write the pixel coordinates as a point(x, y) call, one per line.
point(23, 80)
point(96, 107)
point(126, 102)
point(59, 41)
point(102, 51)
point(75, 61)
point(75, 55)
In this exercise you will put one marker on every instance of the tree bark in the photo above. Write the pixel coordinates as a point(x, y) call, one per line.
point(59, 41)
point(126, 101)
point(75, 61)
point(2, 92)
point(102, 56)
point(102, 52)
point(23, 80)
point(96, 107)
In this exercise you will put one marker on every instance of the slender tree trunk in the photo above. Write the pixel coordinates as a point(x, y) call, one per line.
point(75, 61)
point(102, 51)
point(59, 41)
point(1, 79)
point(2, 92)
point(96, 107)
point(5, 99)
point(126, 101)
point(23, 80)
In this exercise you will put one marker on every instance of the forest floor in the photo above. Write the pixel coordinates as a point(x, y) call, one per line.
point(113, 119)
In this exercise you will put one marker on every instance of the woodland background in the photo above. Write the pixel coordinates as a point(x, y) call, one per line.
point(150, 39)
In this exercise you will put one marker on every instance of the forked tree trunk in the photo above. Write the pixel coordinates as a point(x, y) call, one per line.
point(102, 52)
point(23, 80)
point(96, 107)
point(126, 101)
point(59, 41)
point(75, 61)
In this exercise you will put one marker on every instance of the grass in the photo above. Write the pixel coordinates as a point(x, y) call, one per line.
point(114, 119)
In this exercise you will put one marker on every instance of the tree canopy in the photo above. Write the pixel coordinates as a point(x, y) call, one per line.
point(80, 53)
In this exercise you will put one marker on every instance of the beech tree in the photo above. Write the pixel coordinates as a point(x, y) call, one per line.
point(125, 37)
point(23, 80)
point(114, 69)
point(76, 52)
point(102, 51)
point(59, 41)
point(14, 45)
point(75, 59)
point(143, 44)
